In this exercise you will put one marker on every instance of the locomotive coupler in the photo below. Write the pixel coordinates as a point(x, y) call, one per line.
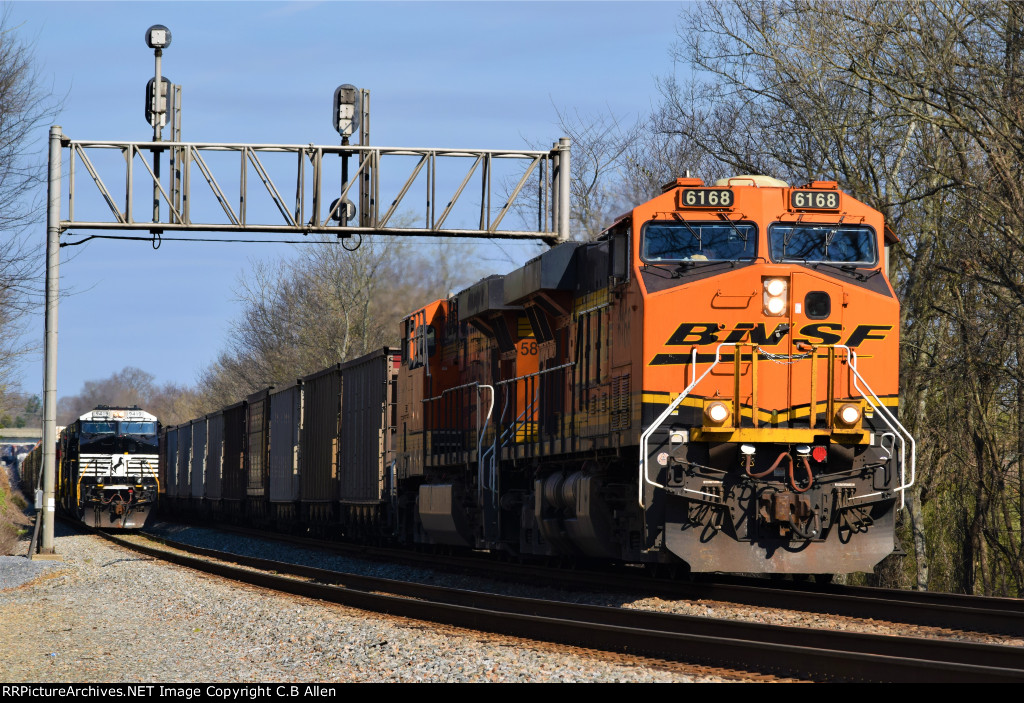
point(786, 511)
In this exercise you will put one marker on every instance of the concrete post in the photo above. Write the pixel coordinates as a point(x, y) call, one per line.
point(50, 343)
point(564, 181)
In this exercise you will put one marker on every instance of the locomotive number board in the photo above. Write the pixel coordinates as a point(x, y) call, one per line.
point(814, 200)
point(705, 197)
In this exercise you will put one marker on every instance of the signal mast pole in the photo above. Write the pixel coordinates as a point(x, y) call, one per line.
point(46, 510)
point(158, 38)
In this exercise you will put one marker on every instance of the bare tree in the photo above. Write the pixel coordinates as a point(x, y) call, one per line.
point(601, 147)
point(171, 403)
point(27, 411)
point(327, 305)
point(25, 107)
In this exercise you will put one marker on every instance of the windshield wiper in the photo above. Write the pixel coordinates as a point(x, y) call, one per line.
point(845, 268)
point(651, 268)
point(694, 233)
point(739, 233)
point(832, 233)
point(683, 266)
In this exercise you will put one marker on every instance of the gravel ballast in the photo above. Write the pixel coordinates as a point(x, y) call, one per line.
point(284, 552)
point(17, 571)
point(105, 614)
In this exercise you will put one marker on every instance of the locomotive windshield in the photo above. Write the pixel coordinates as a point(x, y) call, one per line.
point(110, 437)
point(679, 240)
point(143, 428)
point(138, 437)
point(98, 438)
point(99, 427)
point(822, 243)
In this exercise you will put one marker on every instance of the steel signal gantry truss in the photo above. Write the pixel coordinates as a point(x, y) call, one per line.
point(538, 189)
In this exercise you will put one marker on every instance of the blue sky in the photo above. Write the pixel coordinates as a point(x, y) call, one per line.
point(454, 74)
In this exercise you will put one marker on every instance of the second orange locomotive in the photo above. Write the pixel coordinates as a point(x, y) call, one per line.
point(714, 381)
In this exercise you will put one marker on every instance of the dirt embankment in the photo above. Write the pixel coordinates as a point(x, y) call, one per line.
point(12, 516)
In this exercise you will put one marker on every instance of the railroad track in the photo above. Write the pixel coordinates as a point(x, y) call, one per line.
point(819, 655)
point(943, 610)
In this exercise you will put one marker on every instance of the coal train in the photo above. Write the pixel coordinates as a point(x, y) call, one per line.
point(106, 467)
point(712, 383)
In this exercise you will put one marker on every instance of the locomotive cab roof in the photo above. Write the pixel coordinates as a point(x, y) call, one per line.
point(108, 412)
point(756, 180)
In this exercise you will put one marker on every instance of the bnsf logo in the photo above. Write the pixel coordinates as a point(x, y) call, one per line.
point(700, 333)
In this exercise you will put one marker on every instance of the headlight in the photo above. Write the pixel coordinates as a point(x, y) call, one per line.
point(848, 414)
point(717, 412)
point(775, 290)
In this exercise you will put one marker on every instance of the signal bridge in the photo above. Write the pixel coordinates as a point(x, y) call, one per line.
point(255, 202)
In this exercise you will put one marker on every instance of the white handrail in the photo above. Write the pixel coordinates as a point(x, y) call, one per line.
point(480, 436)
point(899, 431)
point(645, 479)
point(890, 420)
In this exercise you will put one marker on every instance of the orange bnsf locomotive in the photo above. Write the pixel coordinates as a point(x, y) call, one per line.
point(713, 381)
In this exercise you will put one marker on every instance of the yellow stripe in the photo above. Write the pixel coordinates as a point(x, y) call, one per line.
point(785, 414)
point(664, 398)
point(783, 435)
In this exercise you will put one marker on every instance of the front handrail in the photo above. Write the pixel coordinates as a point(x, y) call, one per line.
point(860, 384)
point(645, 479)
point(890, 420)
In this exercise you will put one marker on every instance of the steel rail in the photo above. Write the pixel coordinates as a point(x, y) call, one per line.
point(960, 600)
point(927, 608)
point(813, 654)
point(985, 613)
point(881, 604)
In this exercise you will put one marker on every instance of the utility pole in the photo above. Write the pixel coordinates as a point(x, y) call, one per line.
point(46, 510)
